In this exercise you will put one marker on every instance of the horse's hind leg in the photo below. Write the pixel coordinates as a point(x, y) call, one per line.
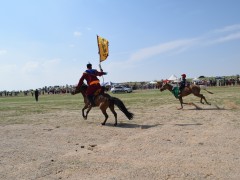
point(202, 98)
point(114, 112)
point(106, 116)
point(206, 100)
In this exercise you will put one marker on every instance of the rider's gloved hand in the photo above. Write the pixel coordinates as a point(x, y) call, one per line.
point(104, 73)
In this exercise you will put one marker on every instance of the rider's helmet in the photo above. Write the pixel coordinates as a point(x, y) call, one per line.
point(89, 65)
point(183, 75)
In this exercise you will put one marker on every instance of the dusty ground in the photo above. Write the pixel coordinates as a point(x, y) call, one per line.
point(159, 143)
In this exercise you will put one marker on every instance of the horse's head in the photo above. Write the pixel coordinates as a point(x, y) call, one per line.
point(75, 91)
point(82, 89)
point(165, 86)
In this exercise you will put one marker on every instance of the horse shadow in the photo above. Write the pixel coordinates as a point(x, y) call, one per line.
point(131, 125)
point(189, 124)
point(213, 107)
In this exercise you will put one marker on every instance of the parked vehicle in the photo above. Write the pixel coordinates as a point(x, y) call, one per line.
point(118, 89)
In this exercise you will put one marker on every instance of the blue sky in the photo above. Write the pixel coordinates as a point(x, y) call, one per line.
point(49, 42)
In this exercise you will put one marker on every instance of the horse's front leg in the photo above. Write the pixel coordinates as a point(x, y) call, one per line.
point(83, 114)
point(181, 102)
point(88, 110)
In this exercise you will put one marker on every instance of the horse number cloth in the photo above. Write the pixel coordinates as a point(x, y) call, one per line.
point(175, 92)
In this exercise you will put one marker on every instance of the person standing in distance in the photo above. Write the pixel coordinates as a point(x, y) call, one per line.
point(36, 95)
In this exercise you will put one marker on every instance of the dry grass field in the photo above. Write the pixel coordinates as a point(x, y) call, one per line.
point(49, 139)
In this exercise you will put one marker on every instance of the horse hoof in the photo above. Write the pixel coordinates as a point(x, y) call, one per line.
point(115, 124)
point(103, 124)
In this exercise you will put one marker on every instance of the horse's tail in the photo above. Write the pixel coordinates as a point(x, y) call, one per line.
point(208, 91)
point(122, 107)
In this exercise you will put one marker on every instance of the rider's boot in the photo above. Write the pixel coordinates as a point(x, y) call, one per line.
point(91, 100)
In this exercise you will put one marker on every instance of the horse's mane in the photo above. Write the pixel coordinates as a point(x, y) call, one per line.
point(83, 88)
point(169, 84)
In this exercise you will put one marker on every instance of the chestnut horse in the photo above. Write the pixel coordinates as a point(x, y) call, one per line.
point(190, 89)
point(104, 101)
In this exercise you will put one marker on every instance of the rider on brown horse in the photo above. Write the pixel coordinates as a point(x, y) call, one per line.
point(90, 75)
point(183, 83)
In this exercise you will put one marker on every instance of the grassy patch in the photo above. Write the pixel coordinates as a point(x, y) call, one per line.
point(13, 108)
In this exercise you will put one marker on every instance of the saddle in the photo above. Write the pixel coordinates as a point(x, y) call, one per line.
point(100, 91)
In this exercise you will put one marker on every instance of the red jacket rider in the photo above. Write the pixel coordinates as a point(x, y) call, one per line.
point(90, 75)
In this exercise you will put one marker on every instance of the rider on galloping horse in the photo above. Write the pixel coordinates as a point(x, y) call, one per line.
point(183, 83)
point(90, 75)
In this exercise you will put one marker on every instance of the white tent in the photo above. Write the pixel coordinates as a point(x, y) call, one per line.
point(152, 82)
point(195, 80)
point(173, 78)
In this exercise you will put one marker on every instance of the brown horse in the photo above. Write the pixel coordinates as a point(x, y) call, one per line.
point(104, 101)
point(190, 89)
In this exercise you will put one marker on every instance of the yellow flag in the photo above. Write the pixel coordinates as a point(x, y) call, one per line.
point(103, 48)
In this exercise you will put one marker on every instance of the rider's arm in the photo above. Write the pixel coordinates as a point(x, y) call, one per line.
point(81, 80)
point(97, 73)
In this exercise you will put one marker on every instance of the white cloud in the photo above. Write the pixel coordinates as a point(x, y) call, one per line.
point(214, 37)
point(35, 67)
point(51, 63)
point(77, 34)
point(89, 29)
point(229, 37)
point(30, 67)
point(171, 46)
point(228, 28)
point(3, 51)
point(8, 69)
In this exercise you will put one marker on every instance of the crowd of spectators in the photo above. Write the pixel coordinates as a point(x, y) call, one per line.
point(220, 81)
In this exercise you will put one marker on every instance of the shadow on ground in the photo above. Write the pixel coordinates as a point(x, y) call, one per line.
point(128, 125)
point(190, 124)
